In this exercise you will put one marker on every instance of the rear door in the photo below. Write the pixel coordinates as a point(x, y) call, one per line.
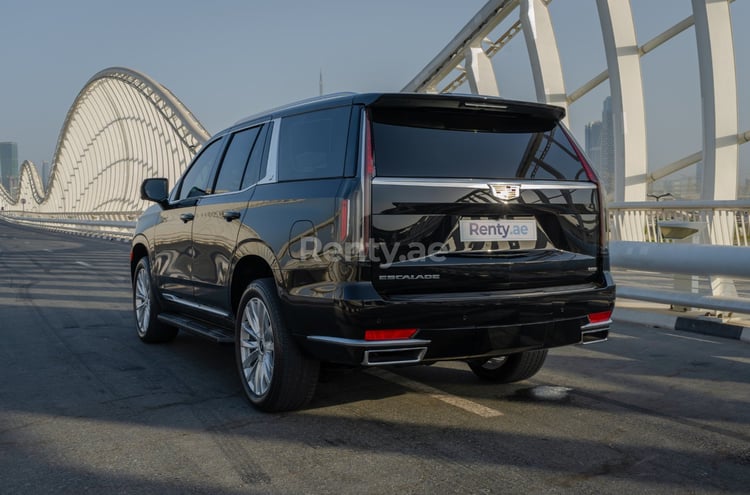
point(219, 217)
point(474, 199)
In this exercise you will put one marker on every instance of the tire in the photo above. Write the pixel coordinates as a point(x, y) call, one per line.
point(274, 373)
point(146, 307)
point(509, 369)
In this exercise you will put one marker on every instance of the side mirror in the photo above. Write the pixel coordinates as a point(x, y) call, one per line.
point(156, 190)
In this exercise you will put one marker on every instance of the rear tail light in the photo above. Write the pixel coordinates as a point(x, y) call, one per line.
point(368, 174)
point(353, 223)
point(390, 334)
point(601, 317)
point(590, 173)
point(603, 216)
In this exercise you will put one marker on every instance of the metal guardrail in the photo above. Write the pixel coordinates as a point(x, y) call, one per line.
point(690, 240)
point(727, 222)
point(114, 225)
point(685, 239)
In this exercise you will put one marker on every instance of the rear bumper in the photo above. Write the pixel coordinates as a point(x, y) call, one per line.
point(449, 327)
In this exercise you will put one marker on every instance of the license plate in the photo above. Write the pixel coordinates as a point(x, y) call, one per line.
point(497, 230)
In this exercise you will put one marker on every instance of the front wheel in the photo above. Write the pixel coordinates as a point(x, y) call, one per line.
point(146, 307)
point(275, 375)
point(509, 369)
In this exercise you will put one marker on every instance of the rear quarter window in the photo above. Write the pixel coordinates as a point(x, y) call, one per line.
point(313, 145)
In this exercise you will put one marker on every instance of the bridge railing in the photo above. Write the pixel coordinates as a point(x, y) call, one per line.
point(112, 225)
point(683, 253)
point(689, 254)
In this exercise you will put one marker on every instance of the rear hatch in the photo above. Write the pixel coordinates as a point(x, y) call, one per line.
point(476, 195)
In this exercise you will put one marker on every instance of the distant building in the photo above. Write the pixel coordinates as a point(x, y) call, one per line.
point(594, 143)
point(600, 146)
point(607, 164)
point(9, 165)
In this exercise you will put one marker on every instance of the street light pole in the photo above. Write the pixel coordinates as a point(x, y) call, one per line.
point(657, 197)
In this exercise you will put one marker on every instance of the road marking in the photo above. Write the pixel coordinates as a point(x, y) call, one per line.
point(83, 263)
point(742, 360)
point(464, 404)
point(691, 338)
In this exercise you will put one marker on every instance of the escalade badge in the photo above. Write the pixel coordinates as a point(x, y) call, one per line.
point(505, 192)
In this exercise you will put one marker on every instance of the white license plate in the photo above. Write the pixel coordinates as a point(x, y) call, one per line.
point(497, 230)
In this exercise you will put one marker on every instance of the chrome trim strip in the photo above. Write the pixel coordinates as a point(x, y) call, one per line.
point(368, 344)
point(481, 184)
point(273, 154)
point(593, 327)
point(499, 296)
point(190, 304)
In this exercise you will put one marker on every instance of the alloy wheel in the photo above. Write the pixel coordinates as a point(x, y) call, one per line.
point(257, 346)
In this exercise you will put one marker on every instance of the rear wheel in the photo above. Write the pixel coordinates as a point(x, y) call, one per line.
point(275, 375)
point(509, 369)
point(146, 307)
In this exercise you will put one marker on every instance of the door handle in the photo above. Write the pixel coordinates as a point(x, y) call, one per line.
point(187, 217)
point(231, 215)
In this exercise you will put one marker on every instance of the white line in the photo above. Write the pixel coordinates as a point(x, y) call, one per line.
point(736, 359)
point(83, 263)
point(464, 404)
point(691, 338)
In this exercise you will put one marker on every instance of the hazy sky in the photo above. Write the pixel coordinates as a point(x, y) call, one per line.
point(228, 59)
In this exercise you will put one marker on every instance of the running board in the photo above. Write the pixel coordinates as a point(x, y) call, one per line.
point(215, 334)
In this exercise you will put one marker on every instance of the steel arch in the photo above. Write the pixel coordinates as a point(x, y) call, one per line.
point(122, 128)
point(713, 31)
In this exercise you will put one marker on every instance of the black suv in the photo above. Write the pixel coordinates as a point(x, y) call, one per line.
point(378, 229)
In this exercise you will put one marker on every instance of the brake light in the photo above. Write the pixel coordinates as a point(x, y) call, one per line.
point(600, 317)
point(390, 334)
point(369, 173)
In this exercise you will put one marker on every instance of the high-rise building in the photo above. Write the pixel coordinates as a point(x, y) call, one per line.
point(8, 164)
point(600, 146)
point(607, 163)
point(594, 143)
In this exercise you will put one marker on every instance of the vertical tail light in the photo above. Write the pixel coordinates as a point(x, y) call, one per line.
point(367, 175)
point(352, 225)
point(603, 216)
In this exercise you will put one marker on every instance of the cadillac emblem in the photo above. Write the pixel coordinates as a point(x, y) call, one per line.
point(505, 192)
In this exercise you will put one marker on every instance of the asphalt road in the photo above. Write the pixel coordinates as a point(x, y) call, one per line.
point(85, 407)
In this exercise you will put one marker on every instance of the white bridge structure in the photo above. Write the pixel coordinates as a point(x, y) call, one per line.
point(124, 127)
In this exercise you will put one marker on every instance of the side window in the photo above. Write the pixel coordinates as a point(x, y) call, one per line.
point(235, 161)
point(196, 180)
point(313, 145)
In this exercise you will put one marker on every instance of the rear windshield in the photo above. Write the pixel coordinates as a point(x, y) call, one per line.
point(465, 144)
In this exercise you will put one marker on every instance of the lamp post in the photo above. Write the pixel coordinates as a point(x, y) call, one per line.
point(657, 197)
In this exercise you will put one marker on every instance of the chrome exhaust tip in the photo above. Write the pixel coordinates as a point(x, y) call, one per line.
point(594, 336)
point(409, 355)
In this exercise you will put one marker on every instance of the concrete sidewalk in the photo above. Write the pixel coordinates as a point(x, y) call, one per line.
point(730, 326)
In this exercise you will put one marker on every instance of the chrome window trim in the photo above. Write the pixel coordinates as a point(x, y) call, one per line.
point(481, 183)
